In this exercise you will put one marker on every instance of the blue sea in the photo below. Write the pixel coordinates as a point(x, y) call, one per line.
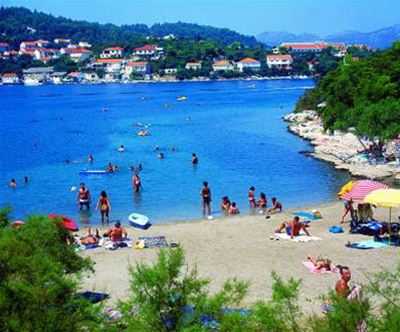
point(235, 127)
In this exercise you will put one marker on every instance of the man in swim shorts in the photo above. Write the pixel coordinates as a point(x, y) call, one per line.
point(293, 228)
point(205, 193)
point(117, 232)
point(83, 197)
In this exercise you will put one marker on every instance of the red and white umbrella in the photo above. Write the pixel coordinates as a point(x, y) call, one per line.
point(65, 222)
point(362, 188)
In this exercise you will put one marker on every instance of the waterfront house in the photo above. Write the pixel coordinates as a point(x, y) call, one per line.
point(113, 66)
point(27, 45)
point(142, 68)
point(10, 78)
point(111, 52)
point(248, 64)
point(148, 51)
point(56, 77)
point(62, 41)
point(74, 77)
point(4, 47)
point(11, 54)
point(42, 43)
point(77, 54)
point(279, 61)
point(37, 75)
point(91, 77)
point(193, 65)
point(170, 71)
point(222, 65)
point(46, 53)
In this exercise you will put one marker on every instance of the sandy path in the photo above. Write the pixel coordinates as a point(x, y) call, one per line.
point(241, 247)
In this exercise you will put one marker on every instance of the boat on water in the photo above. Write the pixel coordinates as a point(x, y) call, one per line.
point(32, 81)
point(143, 133)
point(139, 221)
point(181, 98)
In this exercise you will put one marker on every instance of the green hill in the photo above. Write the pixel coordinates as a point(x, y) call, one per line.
point(18, 24)
point(364, 95)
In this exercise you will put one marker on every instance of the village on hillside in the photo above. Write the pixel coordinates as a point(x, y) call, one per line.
point(116, 64)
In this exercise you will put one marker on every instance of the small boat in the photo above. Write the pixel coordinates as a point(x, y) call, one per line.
point(143, 133)
point(181, 98)
point(93, 172)
point(139, 221)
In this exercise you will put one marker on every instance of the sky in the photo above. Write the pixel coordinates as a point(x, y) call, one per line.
point(248, 17)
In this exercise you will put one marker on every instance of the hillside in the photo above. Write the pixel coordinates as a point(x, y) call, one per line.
point(364, 95)
point(18, 24)
point(380, 39)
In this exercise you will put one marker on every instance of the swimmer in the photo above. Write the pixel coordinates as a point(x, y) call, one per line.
point(12, 183)
point(26, 180)
point(195, 160)
point(121, 148)
point(90, 158)
point(140, 167)
point(172, 149)
point(160, 155)
point(136, 182)
point(157, 148)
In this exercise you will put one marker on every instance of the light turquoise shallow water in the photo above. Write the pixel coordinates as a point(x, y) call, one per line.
point(236, 130)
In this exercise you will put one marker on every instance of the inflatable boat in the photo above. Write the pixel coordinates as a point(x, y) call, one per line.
point(139, 221)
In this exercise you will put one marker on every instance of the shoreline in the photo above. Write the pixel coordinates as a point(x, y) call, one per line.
point(340, 148)
point(240, 247)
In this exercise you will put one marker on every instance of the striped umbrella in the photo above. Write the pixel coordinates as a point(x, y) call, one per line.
point(362, 188)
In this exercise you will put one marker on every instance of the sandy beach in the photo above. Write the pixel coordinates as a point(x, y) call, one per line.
point(240, 247)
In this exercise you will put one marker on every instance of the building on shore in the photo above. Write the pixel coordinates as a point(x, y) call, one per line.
point(314, 47)
point(112, 52)
point(141, 68)
point(169, 71)
point(83, 44)
point(279, 61)
point(10, 78)
point(222, 65)
point(62, 41)
point(76, 54)
point(193, 65)
point(58, 76)
point(37, 75)
point(148, 51)
point(111, 66)
point(248, 64)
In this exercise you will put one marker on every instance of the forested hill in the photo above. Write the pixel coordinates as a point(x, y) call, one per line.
point(18, 24)
point(364, 95)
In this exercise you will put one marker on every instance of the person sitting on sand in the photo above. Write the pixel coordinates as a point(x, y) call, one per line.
point(225, 205)
point(276, 206)
point(262, 203)
point(348, 208)
point(105, 206)
point(342, 286)
point(365, 213)
point(12, 183)
point(234, 209)
point(321, 262)
point(117, 233)
point(293, 228)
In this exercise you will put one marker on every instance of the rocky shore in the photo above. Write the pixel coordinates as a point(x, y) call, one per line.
point(342, 149)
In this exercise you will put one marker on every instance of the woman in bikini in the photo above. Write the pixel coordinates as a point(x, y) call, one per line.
point(105, 207)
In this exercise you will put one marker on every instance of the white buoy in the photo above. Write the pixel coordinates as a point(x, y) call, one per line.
point(73, 188)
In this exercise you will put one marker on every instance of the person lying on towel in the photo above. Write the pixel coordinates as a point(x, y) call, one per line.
point(321, 262)
point(117, 232)
point(293, 227)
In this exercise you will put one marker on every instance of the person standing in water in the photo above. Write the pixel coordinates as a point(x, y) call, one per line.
point(83, 197)
point(136, 182)
point(205, 193)
point(105, 207)
point(90, 158)
point(12, 183)
point(195, 160)
point(252, 199)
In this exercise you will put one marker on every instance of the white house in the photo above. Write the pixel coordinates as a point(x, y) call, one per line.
point(76, 54)
point(113, 66)
point(111, 52)
point(148, 51)
point(10, 78)
point(42, 43)
point(280, 61)
point(46, 53)
point(62, 41)
point(170, 71)
point(222, 65)
point(90, 77)
point(193, 65)
point(84, 44)
point(248, 63)
point(57, 77)
point(27, 45)
point(138, 67)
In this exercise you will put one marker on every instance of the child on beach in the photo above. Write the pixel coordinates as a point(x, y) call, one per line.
point(234, 209)
point(225, 205)
point(276, 206)
point(262, 203)
point(105, 206)
point(252, 199)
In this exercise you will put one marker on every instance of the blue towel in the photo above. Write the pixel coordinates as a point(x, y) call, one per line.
point(367, 244)
point(305, 215)
point(336, 229)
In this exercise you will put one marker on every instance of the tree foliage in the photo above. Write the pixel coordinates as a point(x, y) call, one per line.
point(361, 94)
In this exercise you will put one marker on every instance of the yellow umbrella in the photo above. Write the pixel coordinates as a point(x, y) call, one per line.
point(346, 188)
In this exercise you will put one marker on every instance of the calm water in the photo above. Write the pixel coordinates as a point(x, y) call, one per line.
point(235, 128)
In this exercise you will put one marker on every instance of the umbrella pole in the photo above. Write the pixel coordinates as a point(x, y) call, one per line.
point(390, 224)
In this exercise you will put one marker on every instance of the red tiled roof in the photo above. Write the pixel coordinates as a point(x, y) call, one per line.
point(109, 60)
point(221, 63)
point(147, 47)
point(114, 49)
point(137, 63)
point(79, 50)
point(74, 73)
point(249, 60)
point(29, 53)
point(279, 57)
point(312, 46)
point(41, 41)
point(9, 75)
point(45, 59)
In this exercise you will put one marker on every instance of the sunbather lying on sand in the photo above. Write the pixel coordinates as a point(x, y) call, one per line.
point(293, 227)
point(90, 238)
point(320, 262)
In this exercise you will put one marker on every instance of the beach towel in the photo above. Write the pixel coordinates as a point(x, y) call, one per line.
point(311, 267)
point(367, 244)
point(299, 239)
point(125, 244)
point(154, 241)
point(305, 215)
point(336, 229)
point(93, 297)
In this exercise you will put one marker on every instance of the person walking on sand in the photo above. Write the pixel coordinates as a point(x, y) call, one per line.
point(205, 193)
point(348, 208)
point(136, 182)
point(83, 197)
point(105, 207)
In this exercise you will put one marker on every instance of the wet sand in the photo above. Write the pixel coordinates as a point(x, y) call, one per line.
point(240, 247)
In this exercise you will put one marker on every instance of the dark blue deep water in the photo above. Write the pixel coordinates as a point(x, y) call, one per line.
point(236, 129)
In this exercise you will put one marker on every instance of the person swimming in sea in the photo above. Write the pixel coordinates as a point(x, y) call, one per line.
point(195, 160)
point(121, 148)
point(160, 155)
point(26, 179)
point(12, 183)
point(90, 158)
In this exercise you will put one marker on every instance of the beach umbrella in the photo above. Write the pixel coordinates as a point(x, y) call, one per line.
point(387, 198)
point(346, 188)
point(17, 223)
point(67, 223)
point(362, 188)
